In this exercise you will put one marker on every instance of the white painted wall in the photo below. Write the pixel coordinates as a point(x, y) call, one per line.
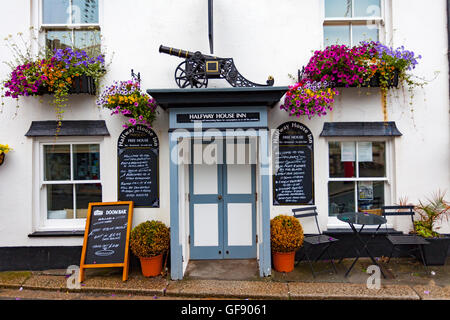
point(265, 38)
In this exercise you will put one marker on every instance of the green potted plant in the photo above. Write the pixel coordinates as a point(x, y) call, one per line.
point(4, 149)
point(434, 210)
point(286, 236)
point(149, 241)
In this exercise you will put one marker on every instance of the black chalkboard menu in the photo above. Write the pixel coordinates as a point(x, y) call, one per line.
point(138, 176)
point(293, 154)
point(106, 237)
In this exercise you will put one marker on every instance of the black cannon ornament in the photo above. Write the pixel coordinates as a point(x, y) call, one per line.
point(197, 68)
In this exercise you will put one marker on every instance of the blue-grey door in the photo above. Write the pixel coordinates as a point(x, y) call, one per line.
point(222, 210)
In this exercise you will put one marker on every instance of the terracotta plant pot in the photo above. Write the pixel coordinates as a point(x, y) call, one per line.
point(2, 158)
point(283, 261)
point(152, 266)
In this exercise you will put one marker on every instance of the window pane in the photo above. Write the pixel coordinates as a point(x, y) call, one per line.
point(367, 8)
point(86, 162)
point(57, 162)
point(58, 39)
point(342, 159)
point(86, 193)
point(89, 41)
point(372, 159)
point(364, 33)
point(59, 201)
point(338, 8)
point(85, 11)
point(336, 35)
point(370, 196)
point(341, 197)
point(55, 11)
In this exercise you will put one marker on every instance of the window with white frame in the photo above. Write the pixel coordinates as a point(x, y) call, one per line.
point(70, 180)
point(71, 23)
point(349, 22)
point(357, 176)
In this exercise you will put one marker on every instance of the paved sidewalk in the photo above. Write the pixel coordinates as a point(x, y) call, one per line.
point(109, 282)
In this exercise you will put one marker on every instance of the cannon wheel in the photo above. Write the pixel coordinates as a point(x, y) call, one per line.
point(191, 73)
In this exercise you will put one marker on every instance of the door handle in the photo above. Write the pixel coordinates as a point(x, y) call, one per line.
point(219, 197)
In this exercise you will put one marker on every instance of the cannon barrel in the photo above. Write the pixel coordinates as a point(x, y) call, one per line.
point(180, 53)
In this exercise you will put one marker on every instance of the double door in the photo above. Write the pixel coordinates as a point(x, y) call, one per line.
point(222, 210)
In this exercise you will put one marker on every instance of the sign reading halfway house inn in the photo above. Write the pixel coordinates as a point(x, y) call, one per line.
point(218, 117)
point(293, 152)
point(138, 174)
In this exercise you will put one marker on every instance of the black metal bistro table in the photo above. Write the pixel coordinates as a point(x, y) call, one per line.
point(363, 219)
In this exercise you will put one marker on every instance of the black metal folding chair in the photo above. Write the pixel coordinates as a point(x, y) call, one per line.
point(406, 243)
point(314, 240)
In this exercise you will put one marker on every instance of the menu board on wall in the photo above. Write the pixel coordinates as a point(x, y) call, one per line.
point(106, 237)
point(293, 155)
point(138, 176)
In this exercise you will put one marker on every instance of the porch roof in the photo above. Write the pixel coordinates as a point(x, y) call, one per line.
point(217, 97)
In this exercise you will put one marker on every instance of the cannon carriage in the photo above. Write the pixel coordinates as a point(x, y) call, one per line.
point(197, 68)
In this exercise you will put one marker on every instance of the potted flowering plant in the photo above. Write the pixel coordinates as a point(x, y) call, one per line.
point(59, 72)
point(286, 236)
point(309, 98)
point(369, 64)
point(4, 149)
point(436, 209)
point(149, 241)
point(126, 98)
point(338, 64)
point(65, 72)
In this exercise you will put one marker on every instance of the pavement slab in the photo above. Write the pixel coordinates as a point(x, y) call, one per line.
point(228, 289)
point(13, 279)
point(45, 282)
point(432, 291)
point(136, 283)
point(349, 291)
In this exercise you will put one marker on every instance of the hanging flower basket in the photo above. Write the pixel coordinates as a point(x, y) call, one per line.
point(4, 149)
point(126, 98)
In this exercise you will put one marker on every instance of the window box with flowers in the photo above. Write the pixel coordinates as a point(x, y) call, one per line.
point(126, 98)
point(60, 73)
point(369, 64)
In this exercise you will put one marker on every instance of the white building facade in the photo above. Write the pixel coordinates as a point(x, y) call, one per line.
point(223, 210)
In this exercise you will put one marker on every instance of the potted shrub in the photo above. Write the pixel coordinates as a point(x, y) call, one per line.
point(4, 149)
point(286, 236)
point(149, 241)
point(126, 98)
point(436, 209)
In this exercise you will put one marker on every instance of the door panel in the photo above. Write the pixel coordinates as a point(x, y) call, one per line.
point(222, 210)
point(205, 179)
point(205, 208)
point(239, 211)
point(239, 224)
point(206, 225)
point(239, 179)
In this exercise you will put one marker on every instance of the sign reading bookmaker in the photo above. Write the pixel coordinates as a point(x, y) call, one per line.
point(107, 236)
point(293, 152)
point(138, 176)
